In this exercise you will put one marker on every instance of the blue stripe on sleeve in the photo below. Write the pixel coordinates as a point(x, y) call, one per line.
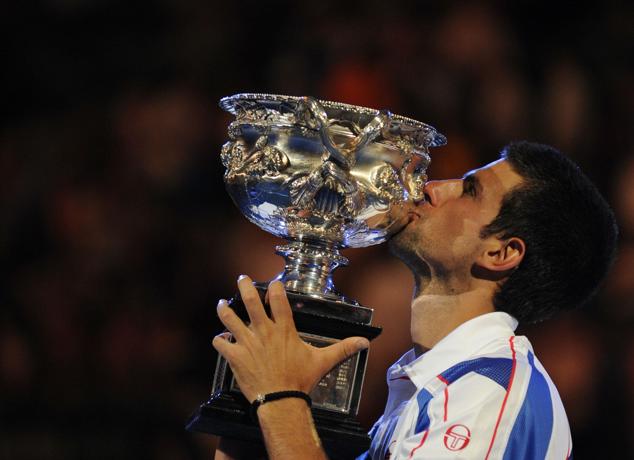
point(422, 423)
point(534, 424)
point(497, 369)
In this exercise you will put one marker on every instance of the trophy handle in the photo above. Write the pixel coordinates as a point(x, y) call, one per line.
point(345, 155)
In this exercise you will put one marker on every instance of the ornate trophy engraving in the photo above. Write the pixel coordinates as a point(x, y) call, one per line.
point(324, 176)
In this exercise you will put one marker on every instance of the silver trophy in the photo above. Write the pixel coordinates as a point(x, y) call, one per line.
point(323, 176)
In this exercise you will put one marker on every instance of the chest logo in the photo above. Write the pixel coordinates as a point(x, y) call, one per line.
point(457, 437)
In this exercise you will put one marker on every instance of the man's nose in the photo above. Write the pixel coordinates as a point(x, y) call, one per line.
point(441, 191)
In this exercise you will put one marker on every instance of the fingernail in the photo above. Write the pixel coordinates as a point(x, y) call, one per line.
point(363, 343)
point(221, 303)
point(241, 277)
point(223, 336)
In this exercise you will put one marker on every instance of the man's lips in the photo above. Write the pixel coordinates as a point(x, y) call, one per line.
point(413, 215)
point(416, 211)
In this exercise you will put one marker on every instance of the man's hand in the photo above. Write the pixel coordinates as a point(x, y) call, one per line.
point(268, 354)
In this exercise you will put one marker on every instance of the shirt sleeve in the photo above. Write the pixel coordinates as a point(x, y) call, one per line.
point(488, 408)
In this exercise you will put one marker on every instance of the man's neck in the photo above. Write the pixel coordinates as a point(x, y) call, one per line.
point(439, 308)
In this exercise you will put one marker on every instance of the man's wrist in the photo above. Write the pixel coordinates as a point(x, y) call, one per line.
point(267, 398)
point(279, 407)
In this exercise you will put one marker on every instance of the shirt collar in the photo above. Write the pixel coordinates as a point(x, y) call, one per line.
point(459, 345)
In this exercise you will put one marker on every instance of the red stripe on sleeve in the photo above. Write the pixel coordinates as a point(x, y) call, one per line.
point(506, 397)
point(422, 441)
point(444, 380)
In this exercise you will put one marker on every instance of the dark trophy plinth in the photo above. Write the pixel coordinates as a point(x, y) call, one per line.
point(335, 398)
point(324, 176)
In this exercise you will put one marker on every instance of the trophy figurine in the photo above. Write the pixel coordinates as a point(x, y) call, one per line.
point(323, 176)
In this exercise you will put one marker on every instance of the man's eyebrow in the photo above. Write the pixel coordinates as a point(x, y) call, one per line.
point(471, 179)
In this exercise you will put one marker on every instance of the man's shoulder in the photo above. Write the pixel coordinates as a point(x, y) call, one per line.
point(498, 401)
point(503, 362)
point(496, 363)
point(507, 394)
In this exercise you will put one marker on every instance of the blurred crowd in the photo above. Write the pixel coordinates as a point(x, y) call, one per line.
point(117, 237)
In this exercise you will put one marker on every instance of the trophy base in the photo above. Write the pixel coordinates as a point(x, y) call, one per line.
point(227, 415)
point(335, 399)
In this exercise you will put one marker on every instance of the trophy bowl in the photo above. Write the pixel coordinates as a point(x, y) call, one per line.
point(324, 176)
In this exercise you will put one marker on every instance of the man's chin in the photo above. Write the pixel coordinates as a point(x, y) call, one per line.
point(400, 244)
point(403, 247)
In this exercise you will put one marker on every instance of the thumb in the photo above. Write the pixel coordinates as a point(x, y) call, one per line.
point(340, 351)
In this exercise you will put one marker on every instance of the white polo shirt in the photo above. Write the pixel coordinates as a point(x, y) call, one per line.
point(479, 393)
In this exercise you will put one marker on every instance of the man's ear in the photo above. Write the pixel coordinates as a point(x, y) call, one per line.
point(502, 255)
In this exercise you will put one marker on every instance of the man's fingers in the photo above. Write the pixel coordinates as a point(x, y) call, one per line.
point(340, 351)
point(280, 308)
point(222, 345)
point(231, 321)
point(251, 299)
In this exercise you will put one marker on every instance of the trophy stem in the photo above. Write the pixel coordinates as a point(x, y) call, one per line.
point(309, 267)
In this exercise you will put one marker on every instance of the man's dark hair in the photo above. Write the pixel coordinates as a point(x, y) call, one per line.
point(569, 230)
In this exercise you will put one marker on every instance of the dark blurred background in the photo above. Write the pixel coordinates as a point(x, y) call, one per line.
point(117, 237)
